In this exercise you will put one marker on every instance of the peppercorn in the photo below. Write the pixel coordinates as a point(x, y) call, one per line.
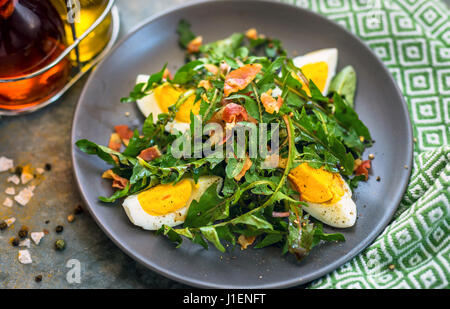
point(71, 218)
point(48, 167)
point(78, 210)
point(23, 232)
point(18, 171)
point(38, 278)
point(371, 156)
point(47, 221)
point(378, 178)
point(59, 229)
point(60, 245)
point(15, 242)
point(3, 225)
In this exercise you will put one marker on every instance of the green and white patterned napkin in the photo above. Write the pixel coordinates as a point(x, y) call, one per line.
point(412, 38)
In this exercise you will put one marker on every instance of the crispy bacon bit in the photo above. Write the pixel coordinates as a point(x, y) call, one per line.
point(118, 182)
point(363, 169)
point(115, 142)
point(245, 241)
point(251, 34)
point(240, 78)
point(233, 113)
point(194, 45)
point(204, 84)
point(211, 68)
point(270, 104)
point(125, 133)
point(280, 214)
point(150, 154)
point(247, 164)
point(167, 74)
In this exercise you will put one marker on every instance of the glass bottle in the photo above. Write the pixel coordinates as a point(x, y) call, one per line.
point(89, 12)
point(31, 37)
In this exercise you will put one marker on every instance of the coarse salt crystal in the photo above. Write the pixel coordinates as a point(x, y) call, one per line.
point(25, 243)
point(10, 221)
point(10, 191)
point(14, 179)
point(8, 202)
point(6, 164)
point(25, 257)
point(37, 236)
point(26, 177)
point(24, 195)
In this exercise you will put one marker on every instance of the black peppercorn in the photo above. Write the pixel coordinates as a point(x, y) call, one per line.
point(60, 245)
point(38, 278)
point(18, 171)
point(59, 229)
point(3, 225)
point(48, 167)
point(15, 242)
point(78, 210)
point(23, 232)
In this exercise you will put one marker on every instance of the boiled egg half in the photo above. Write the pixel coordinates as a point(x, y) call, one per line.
point(161, 98)
point(165, 203)
point(318, 66)
point(327, 195)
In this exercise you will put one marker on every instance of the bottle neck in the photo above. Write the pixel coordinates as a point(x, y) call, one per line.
point(7, 8)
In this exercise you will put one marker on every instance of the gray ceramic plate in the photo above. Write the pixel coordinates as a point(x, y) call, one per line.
point(378, 102)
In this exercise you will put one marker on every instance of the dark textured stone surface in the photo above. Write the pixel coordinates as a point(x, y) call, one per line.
point(44, 137)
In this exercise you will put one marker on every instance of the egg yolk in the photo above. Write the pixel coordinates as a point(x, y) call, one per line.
point(317, 185)
point(166, 198)
point(317, 72)
point(166, 96)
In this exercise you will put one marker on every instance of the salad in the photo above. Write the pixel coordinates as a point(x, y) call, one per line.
point(242, 145)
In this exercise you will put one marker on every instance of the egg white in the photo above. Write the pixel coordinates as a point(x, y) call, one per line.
point(341, 214)
point(148, 105)
point(138, 216)
point(328, 55)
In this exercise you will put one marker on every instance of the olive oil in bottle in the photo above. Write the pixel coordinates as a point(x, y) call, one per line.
point(90, 11)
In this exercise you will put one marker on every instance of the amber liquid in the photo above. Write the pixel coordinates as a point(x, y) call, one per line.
point(31, 36)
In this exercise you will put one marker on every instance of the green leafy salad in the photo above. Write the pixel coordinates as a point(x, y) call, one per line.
point(241, 146)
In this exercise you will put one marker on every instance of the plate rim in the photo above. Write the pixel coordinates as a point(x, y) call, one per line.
point(282, 283)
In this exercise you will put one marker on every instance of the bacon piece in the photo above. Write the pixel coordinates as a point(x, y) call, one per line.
point(125, 133)
point(115, 142)
point(166, 74)
point(270, 104)
point(247, 164)
point(240, 78)
point(276, 214)
point(118, 182)
point(211, 68)
point(204, 84)
point(245, 241)
point(251, 34)
point(233, 113)
point(150, 154)
point(363, 169)
point(194, 45)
